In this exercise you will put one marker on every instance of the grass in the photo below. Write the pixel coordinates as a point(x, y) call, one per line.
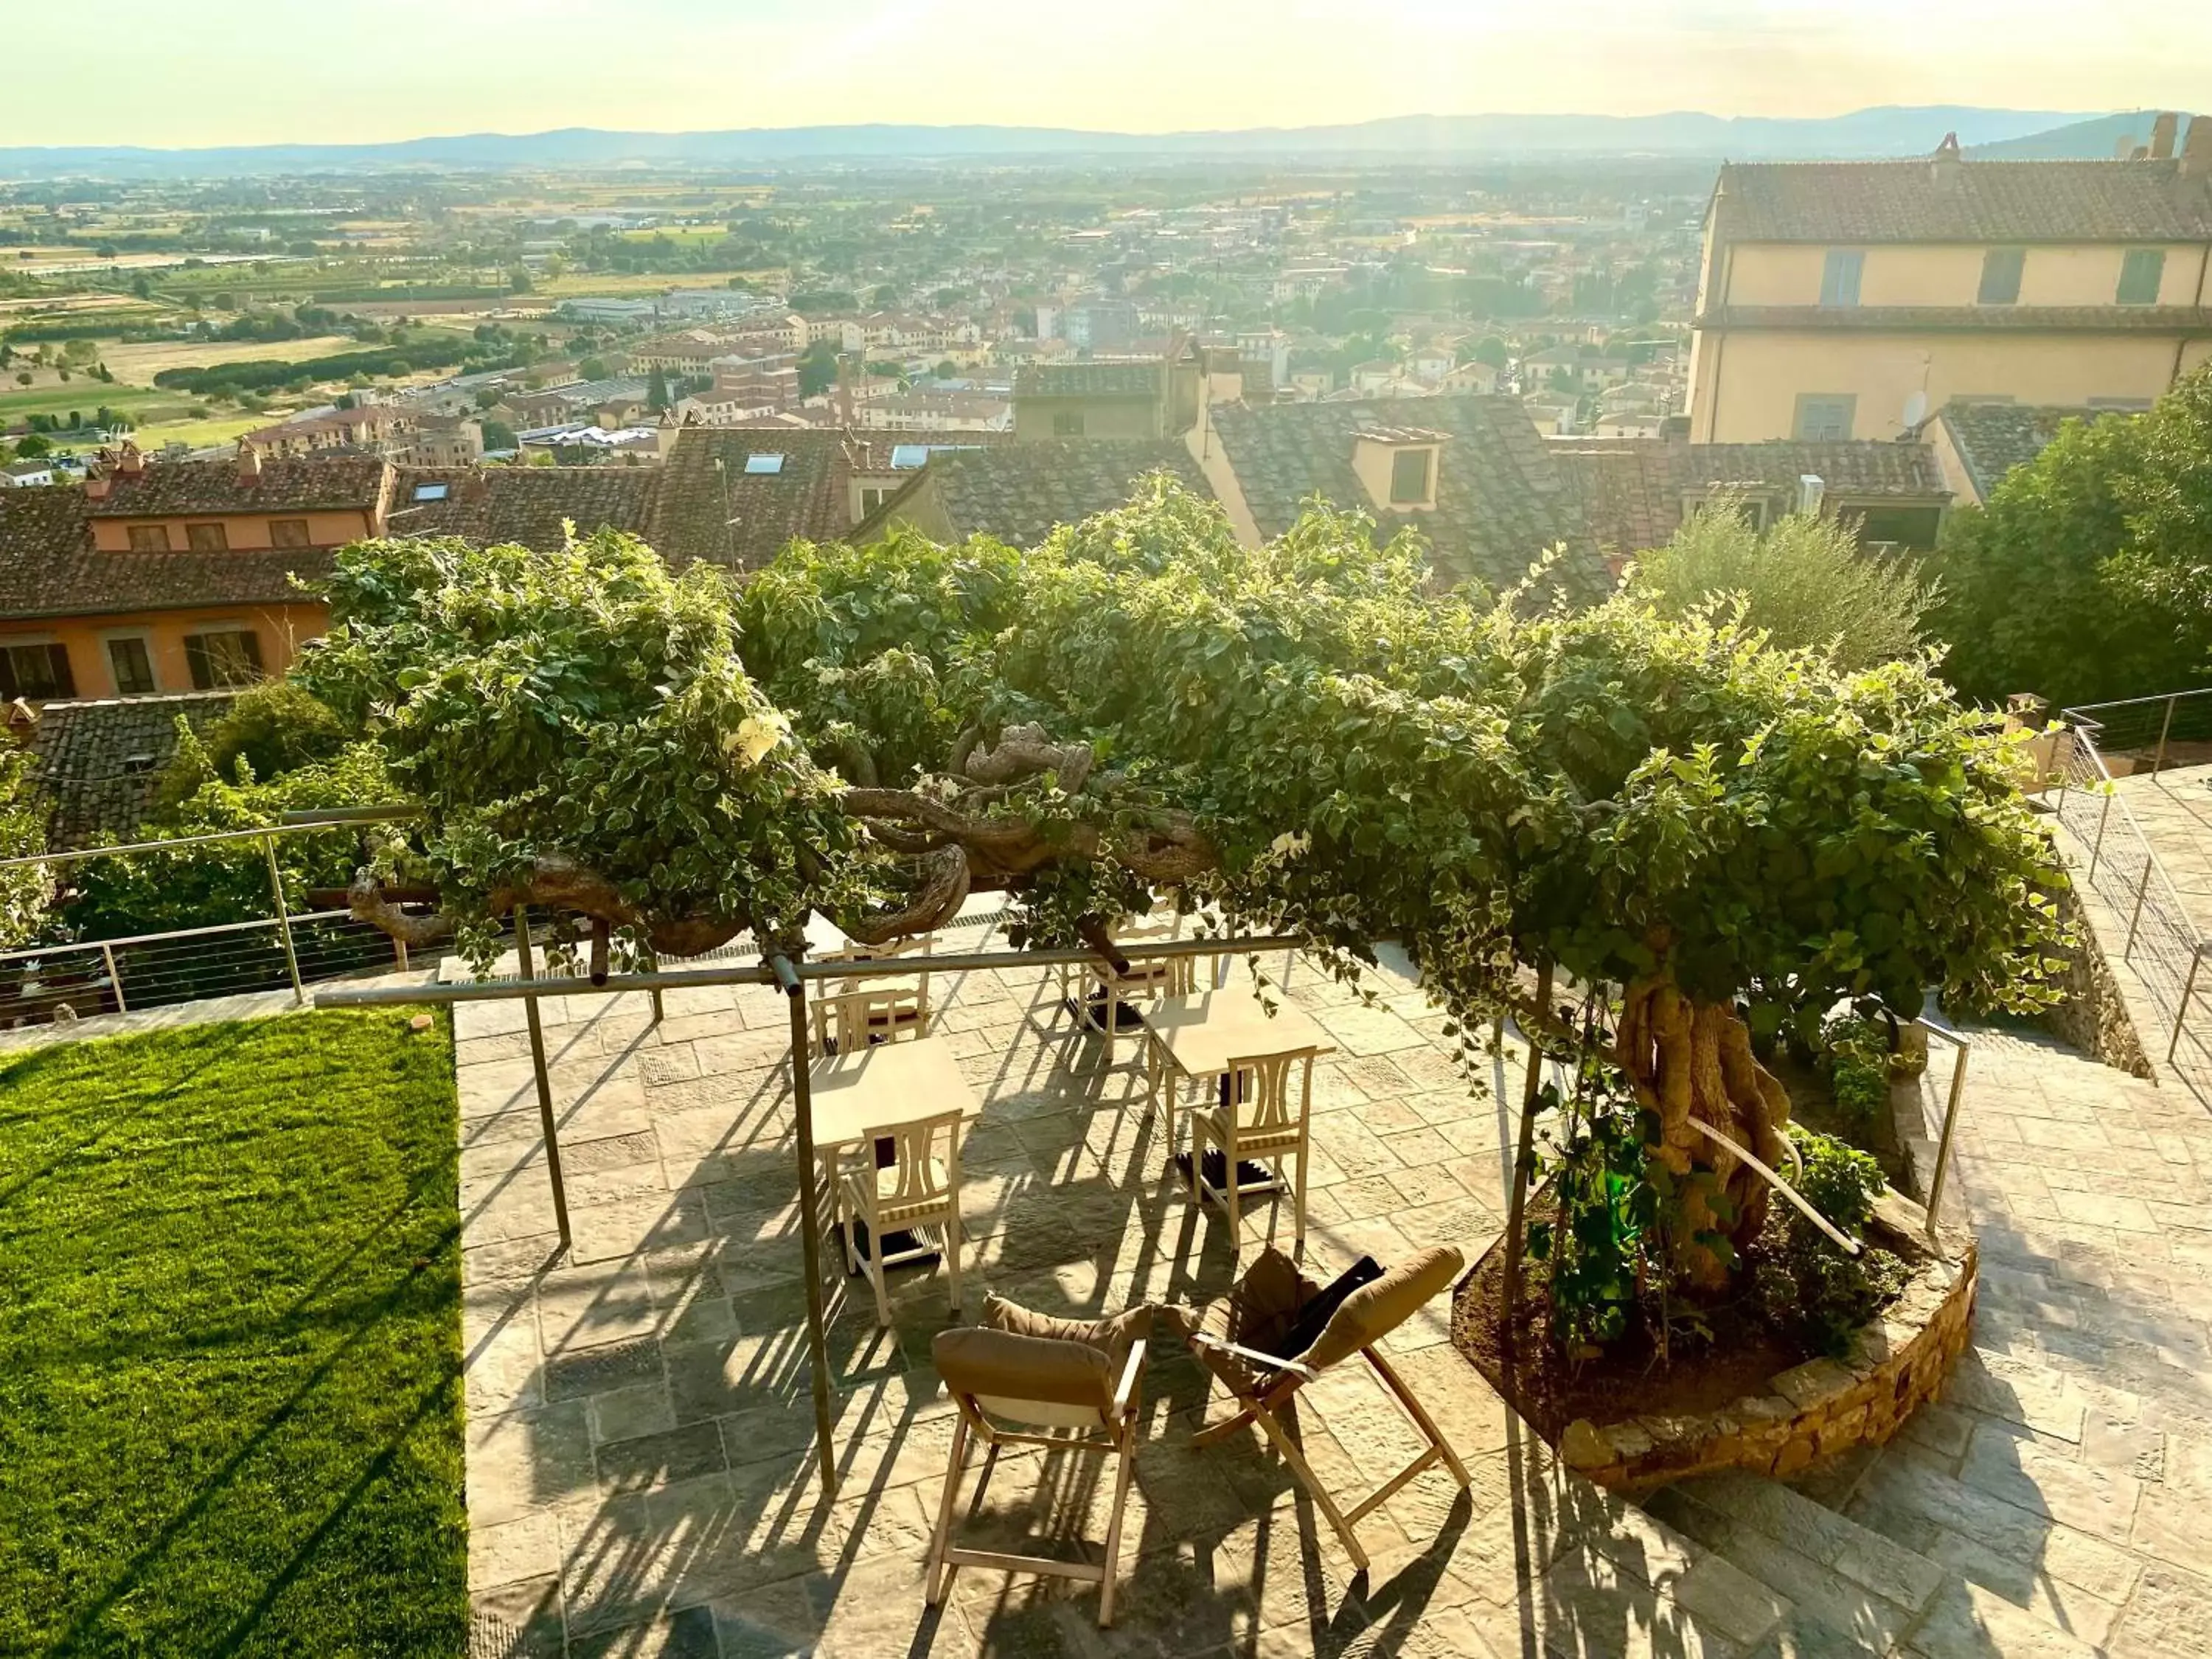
point(220, 429)
point(140, 364)
point(85, 394)
point(230, 1406)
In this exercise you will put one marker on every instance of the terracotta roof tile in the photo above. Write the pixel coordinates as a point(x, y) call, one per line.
point(1500, 500)
point(97, 760)
point(1019, 492)
point(1125, 380)
point(525, 504)
point(170, 489)
point(1992, 439)
point(1914, 201)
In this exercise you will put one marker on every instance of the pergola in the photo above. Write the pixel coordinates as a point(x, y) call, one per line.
point(775, 967)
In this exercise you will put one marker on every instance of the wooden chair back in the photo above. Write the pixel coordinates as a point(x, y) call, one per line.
point(928, 1171)
point(1274, 1092)
point(854, 1019)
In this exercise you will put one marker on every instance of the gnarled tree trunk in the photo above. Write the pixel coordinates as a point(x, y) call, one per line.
point(1691, 1063)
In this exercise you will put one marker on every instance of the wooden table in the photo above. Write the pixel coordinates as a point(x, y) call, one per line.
point(1194, 1038)
point(884, 1085)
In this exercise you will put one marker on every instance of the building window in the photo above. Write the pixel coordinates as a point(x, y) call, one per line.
point(223, 659)
point(871, 497)
point(288, 532)
point(149, 539)
point(207, 539)
point(36, 672)
point(764, 466)
point(2001, 270)
point(1912, 528)
point(1067, 423)
point(1839, 278)
point(1409, 477)
point(2140, 271)
point(133, 668)
point(1823, 418)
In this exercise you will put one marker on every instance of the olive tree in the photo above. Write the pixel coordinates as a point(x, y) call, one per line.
point(1306, 736)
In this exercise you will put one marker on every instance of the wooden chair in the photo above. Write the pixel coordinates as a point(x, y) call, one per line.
point(1268, 1115)
point(1234, 1336)
point(854, 1019)
point(1147, 978)
point(1027, 1379)
point(920, 1187)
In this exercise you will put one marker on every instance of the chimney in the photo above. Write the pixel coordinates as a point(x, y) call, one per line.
point(131, 460)
point(2196, 148)
point(1812, 490)
point(249, 463)
point(1944, 167)
point(2162, 134)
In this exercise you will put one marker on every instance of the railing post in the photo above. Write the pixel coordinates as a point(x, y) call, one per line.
point(400, 953)
point(1943, 1146)
point(114, 978)
point(549, 1127)
point(2097, 851)
point(2181, 1013)
point(284, 920)
point(2158, 760)
point(2136, 920)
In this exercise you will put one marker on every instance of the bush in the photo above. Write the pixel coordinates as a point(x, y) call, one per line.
point(273, 728)
point(1855, 1052)
point(1805, 580)
point(1803, 1284)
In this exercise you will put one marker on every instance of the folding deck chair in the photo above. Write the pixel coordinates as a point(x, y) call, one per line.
point(1233, 1338)
point(1065, 1384)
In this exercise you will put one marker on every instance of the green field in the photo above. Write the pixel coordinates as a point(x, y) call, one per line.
point(230, 1404)
point(84, 394)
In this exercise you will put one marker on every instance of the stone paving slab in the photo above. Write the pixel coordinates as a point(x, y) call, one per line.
point(639, 1472)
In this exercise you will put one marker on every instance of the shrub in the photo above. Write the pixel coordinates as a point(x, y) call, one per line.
point(1803, 1284)
point(1855, 1052)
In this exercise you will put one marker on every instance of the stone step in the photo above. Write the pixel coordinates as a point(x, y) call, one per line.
point(1852, 1590)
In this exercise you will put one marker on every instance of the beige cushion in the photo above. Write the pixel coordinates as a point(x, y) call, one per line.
point(1373, 1311)
point(974, 1359)
point(1112, 1337)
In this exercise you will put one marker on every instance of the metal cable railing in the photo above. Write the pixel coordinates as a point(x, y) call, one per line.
point(2161, 942)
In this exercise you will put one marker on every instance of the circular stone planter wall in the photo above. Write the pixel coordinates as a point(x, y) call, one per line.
point(1812, 1412)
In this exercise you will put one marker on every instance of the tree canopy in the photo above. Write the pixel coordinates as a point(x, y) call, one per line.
point(1306, 736)
point(2087, 575)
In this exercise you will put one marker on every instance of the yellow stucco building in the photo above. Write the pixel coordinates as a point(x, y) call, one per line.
point(1855, 299)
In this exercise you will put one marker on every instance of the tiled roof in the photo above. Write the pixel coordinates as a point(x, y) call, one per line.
point(1914, 201)
point(173, 488)
point(97, 760)
point(1089, 381)
point(49, 567)
point(744, 520)
point(1630, 490)
point(1500, 500)
point(2002, 319)
point(525, 504)
point(1019, 492)
point(1992, 439)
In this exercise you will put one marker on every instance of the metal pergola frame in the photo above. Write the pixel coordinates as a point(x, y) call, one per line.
point(776, 967)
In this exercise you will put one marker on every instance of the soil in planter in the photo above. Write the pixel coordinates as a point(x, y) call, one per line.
point(1626, 1379)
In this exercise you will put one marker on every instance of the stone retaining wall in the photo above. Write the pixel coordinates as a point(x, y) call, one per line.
point(1812, 1412)
point(2092, 1014)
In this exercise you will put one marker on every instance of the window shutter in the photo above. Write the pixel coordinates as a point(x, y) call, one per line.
point(64, 681)
point(196, 659)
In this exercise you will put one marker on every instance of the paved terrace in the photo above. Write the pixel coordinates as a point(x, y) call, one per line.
point(640, 1481)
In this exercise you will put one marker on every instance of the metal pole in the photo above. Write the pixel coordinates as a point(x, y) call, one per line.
point(548, 1129)
point(2158, 760)
point(2136, 920)
point(2181, 1013)
point(2097, 851)
point(1516, 1200)
point(284, 920)
point(400, 953)
point(653, 965)
point(114, 978)
point(802, 1096)
point(1943, 1146)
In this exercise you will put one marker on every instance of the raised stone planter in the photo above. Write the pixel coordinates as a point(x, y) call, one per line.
point(1812, 1412)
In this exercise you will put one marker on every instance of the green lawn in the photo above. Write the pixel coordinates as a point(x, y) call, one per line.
point(230, 1404)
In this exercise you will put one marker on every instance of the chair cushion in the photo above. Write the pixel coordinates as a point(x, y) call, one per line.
point(1373, 1311)
point(1255, 1313)
point(976, 1360)
point(1313, 1317)
point(1112, 1337)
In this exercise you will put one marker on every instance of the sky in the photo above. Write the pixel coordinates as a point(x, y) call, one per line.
point(342, 72)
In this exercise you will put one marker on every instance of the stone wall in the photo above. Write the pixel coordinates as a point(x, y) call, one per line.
point(1810, 1412)
point(2093, 1014)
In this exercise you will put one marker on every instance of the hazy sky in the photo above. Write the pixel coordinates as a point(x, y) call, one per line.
point(250, 72)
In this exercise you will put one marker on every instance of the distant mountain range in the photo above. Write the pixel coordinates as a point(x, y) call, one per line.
point(1889, 130)
point(2095, 140)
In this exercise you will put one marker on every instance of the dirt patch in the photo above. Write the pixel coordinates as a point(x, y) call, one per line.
point(1628, 1378)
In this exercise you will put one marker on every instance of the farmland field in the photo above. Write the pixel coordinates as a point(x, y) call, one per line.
point(139, 363)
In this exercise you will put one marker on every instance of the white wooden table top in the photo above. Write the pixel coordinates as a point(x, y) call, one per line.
point(887, 1085)
point(1201, 1033)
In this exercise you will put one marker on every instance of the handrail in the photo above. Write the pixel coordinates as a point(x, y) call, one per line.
point(1850, 1245)
point(1950, 1114)
point(37, 951)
